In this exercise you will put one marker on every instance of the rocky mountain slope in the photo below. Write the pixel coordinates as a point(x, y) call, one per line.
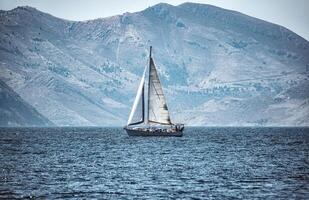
point(218, 67)
point(14, 111)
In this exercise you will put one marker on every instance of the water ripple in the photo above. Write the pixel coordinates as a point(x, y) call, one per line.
point(207, 163)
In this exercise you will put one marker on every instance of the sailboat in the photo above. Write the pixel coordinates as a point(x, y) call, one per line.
point(149, 114)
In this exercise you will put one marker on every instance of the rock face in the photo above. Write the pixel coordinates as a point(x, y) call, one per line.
point(218, 67)
point(14, 111)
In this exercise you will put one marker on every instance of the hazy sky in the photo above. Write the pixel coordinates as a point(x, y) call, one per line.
point(293, 14)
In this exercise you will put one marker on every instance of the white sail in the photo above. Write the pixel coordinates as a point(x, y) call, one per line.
point(157, 108)
point(137, 112)
point(150, 112)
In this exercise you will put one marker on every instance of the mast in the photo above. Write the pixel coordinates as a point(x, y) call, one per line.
point(149, 84)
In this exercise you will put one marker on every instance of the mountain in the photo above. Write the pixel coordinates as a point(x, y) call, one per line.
point(14, 111)
point(218, 67)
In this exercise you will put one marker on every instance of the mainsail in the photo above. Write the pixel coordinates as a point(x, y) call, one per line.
point(137, 115)
point(157, 107)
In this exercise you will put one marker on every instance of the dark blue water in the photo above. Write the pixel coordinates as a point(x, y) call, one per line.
point(207, 163)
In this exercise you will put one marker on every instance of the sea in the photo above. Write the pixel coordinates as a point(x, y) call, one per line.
point(105, 163)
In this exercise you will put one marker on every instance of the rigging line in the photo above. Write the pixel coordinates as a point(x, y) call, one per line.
point(143, 103)
point(135, 123)
point(156, 91)
point(154, 114)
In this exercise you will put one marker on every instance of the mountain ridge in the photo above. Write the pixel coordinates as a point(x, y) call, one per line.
point(185, 4)
point(16, 112)
point(85, 70)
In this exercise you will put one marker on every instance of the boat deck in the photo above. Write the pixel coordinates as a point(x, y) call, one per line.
point(154, 132)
